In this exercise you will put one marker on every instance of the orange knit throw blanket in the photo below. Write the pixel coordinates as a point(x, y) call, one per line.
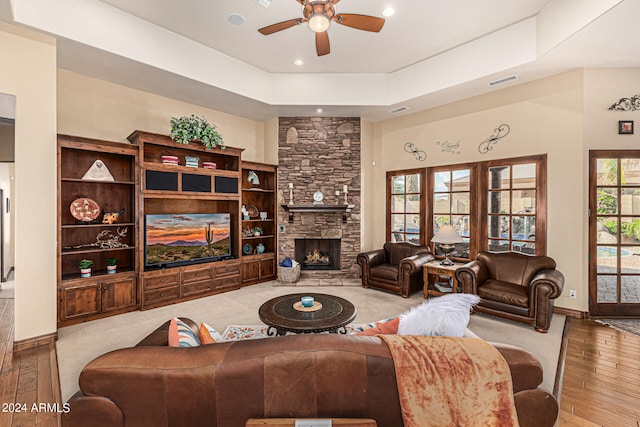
point(445, 381)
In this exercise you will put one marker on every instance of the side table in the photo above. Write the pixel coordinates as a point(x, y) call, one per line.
point(433, 286)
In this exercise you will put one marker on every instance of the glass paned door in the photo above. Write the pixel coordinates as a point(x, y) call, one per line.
point(614, 233)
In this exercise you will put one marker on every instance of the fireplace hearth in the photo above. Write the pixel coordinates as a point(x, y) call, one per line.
point(318, 254)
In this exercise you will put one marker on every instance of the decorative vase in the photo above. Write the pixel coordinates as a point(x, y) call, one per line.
point(85, 272)
point(111, 269)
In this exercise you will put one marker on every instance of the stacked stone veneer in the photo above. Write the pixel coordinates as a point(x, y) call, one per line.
point(320, 153)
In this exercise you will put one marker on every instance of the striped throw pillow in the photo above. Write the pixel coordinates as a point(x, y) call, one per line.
point(181, 335)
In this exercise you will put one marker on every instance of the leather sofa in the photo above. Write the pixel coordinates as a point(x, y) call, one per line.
point(397, 267)
point(514, 286)
point(225, 384)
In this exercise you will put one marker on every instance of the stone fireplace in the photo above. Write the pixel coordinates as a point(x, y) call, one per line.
point(320, 154)
point(318, 254)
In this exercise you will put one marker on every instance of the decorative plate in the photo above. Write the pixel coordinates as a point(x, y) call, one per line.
point(84, 209)
point(252, 211)
point(247, 249)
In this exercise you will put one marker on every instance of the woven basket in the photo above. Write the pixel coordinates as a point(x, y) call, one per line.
point(289, 274)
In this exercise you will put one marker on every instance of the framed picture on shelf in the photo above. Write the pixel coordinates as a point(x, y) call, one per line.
point(625, 127)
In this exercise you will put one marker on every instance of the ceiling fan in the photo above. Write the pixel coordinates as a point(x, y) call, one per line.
point(319, 14)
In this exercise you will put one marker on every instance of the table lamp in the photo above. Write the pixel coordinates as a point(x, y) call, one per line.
point(446, 237)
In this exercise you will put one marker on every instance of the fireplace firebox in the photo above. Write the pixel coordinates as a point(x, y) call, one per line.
point(318, 254)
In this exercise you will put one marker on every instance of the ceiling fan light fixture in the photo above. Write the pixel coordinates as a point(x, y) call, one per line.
point(319, 22)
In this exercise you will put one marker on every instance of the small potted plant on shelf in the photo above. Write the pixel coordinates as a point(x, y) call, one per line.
point(85, 267)
point(189, 128)
point(257, 231)
point(111, 265)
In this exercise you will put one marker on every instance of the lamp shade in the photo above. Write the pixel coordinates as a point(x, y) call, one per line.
point(447, 234)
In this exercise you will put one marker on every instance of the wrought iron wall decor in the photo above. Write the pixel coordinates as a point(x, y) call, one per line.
point(627, 104)
point(450, 148)
point(498, 133)
point(410, 148)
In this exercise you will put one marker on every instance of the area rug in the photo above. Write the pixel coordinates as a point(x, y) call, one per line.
point(623, 325)
point(247, 332)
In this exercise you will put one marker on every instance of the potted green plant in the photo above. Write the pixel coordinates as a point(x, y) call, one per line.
point(189, 128)
point(85, 267)
point(111, 265)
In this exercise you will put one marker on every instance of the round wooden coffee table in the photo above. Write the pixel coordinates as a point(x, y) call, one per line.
point(281, 316)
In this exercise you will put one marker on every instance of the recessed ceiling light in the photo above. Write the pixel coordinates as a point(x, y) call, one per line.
point(298, 62)
point(236, 19)
point(319, 110)
point(389, 11)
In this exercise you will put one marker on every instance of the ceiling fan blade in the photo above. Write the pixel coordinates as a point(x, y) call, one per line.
point(361, 22)
point(335, 1)
point(322, 43)
point(281, 26)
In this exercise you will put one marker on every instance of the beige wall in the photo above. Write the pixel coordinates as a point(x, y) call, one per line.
point(271, 142)
point(29, 73)
point(366, 184)
point(545, 116)
point(604, 87)
point(95, 108)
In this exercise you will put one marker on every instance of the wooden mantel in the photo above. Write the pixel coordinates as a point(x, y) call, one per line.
point(344, 209)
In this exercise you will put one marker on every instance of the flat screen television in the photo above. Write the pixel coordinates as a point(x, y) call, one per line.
point(180, 239)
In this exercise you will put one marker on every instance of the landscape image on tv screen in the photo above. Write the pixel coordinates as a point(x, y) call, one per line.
point(184, 238)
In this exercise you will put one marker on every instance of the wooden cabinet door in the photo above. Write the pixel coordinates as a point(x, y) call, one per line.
point(250, 271)
point(79, 301)
point(267, 269)
point(119, 294)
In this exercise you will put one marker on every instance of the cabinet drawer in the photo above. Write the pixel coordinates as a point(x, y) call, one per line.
point(159, 295)
point(197, 288)
point(228, 281)
point(227, 270)
point(165, 280)
point(198, 275)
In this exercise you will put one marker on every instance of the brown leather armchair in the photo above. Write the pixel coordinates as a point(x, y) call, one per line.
point(397, 267)
point(514, 286)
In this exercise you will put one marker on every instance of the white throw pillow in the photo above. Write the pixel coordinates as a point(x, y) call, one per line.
point(447, 315)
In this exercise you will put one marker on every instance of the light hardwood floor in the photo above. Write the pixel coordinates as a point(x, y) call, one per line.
point(600, 385)
point(26, 377)
point(601, 382)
